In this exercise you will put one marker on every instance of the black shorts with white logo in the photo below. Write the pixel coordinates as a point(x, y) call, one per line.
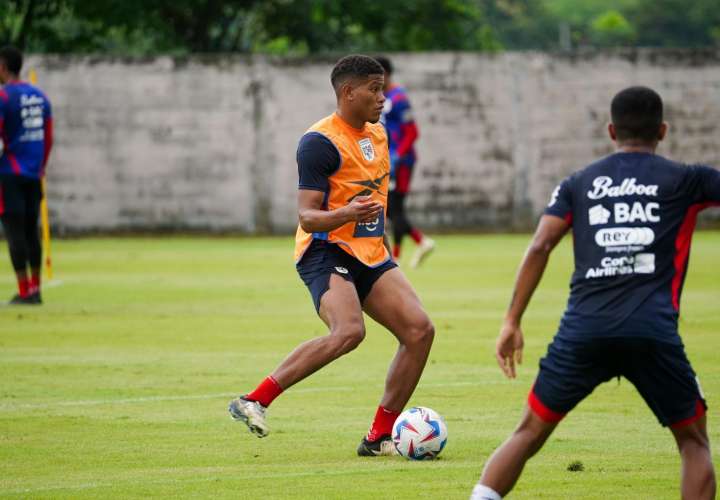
point(322, 259)
point(660, 372)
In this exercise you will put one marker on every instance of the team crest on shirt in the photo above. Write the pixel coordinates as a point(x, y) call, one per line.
point(367, 149)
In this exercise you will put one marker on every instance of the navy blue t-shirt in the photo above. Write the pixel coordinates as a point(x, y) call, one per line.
point(632, 216)
point(317, 159)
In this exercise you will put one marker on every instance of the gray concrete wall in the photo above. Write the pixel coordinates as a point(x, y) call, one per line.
point(209, 142)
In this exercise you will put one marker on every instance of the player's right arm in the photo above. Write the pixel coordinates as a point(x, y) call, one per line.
point(315, 219)
point(509, 345)
point(551, 228)
point(318, 159)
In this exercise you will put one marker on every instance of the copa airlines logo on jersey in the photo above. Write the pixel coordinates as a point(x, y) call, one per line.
point(603, 187)
point(640, 263)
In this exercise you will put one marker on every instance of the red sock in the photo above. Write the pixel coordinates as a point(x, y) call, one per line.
point(34, 283)
point(396, 251)
point(23, 286)
point(382, 425)
point(416, 235)
point(264, 393)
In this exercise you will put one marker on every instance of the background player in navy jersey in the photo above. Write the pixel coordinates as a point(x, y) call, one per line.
point(402, 132)
point(26, 132)
point(632, 216)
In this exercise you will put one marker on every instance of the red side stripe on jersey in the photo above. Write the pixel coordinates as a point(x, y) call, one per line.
point(542, 411)
point(409, 133)
point(568, 218)
point(14, 163)
point(4, 96)
point(682, 248)
point(699, 413)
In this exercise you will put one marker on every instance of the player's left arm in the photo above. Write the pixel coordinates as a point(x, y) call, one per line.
point(48, 133)
point(508, 349)
point(710, 184)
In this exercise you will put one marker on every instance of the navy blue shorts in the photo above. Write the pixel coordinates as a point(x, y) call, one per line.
point(660, 372)
point(322, 259)
point(20, 195)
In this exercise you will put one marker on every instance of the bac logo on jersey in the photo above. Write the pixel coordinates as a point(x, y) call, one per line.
point(598, 215)
point(370, 229)
point(367, 149)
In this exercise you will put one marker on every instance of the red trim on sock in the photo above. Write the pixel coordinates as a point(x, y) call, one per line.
point(382, 424)
point(699, 413)
point(542, 411)
point(416, 235)
point(34, 283)
point(23, 287)
point(266, 391)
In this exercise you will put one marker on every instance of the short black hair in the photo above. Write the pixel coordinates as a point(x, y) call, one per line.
point(385, 63)
point(354, 66)
point(12, 58)
point(637, 113)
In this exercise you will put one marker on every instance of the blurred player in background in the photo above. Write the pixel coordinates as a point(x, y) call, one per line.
point(26, 132)
point(402, 133)
point(344, 168)
point(632, 216)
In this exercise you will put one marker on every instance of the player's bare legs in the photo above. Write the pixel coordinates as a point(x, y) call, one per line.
point(503, 468)
point(392, 302)
point(698, 474)
point(340, 310)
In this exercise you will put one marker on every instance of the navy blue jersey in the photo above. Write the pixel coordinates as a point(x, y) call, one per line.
point(632, 216)
point(397, 116)
point(317, 159)
point(25, 130)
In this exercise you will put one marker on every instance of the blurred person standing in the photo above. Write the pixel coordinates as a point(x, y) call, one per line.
point(402, 133)
point(26, 133)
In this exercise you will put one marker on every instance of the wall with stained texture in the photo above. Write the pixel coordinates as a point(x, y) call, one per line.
point(208, 143)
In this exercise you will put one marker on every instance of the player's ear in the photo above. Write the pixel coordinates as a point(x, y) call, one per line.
point(611, 132)
point(347, 91)
point(662, 131)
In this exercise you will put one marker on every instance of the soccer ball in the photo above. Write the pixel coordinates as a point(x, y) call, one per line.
point(419, 433)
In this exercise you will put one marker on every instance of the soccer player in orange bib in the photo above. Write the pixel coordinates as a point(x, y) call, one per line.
point(341, 255)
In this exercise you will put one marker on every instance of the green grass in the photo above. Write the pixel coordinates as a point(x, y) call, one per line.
point(118, 385)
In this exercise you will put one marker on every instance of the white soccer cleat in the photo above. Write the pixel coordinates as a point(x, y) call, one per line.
point(424, 249)
point(251, 413)
point(383, 447)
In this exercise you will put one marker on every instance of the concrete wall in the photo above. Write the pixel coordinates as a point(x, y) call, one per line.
point(209, 142)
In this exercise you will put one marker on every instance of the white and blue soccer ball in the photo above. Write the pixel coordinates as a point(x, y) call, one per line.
point(419, 433)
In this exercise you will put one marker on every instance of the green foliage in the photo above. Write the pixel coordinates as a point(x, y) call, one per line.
point(300, 27)
point(611, 28)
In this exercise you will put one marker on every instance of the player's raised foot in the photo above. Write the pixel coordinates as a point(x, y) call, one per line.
point(251, 413)
point(29, 300)
point(424, 249)
point(382, 447)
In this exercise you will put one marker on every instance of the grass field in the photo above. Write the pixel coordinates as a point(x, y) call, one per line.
point(118, 385)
